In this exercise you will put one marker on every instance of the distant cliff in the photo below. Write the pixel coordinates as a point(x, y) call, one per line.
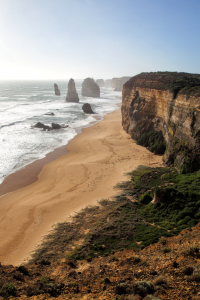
point(100, 82)
point(117, 83)
point(168, 102)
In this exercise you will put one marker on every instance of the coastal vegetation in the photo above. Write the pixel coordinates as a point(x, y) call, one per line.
point(155, 203)
point(154, 140)
point(113, 248)
point(176, 197)
point(160, 110)
point(186, 83)
point(188, 159)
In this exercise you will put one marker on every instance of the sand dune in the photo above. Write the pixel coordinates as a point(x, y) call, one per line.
point(97, 159)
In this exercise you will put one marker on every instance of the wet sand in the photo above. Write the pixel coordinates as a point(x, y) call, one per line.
point(29, 174)
point(97, 160)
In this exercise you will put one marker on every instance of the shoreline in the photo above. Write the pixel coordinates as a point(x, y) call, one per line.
point(97, 160)
point(29, 173)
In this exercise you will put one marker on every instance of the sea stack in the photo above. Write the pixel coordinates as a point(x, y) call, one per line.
point(87, 108)
point(57, 91)
point(108, 82)
point(100, 82)
point(72, 95)
point(90, 88)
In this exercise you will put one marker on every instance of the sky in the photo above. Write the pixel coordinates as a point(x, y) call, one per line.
point(60, 39)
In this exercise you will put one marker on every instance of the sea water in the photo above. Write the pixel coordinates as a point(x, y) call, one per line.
point(24, 103)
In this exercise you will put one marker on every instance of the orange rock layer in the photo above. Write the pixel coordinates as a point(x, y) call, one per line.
point(167, 102)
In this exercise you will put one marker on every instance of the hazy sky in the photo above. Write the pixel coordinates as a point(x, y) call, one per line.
point(60, 39)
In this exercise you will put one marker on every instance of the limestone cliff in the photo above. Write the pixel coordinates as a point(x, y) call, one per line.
point(108, 82)
point(100, 82)
point(168, 102)
point(114, 82)
point(72, 95)
point(117, 83)
point(90, 88)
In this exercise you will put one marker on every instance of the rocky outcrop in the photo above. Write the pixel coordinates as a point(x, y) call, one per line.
point(43, 126)
point(72, 95)
point(117, 83)
point(87, 108)
point(57, 91)
point(100, 82)
point(55, 126)
point(114, 82)
point(48, 128)
point(108, 82)
point(49, 114)
point(168, 102)
point(90, 88)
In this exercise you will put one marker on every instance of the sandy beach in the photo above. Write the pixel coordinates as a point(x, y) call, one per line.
point(96, 161)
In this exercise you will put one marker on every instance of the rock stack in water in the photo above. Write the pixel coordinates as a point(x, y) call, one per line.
point(90, 88)
point(87, 108)
point(72, 95)
point(108, 82)
point(57, 91)
point(100, 82)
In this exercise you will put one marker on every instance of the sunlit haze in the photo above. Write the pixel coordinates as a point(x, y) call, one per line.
point(59, 39)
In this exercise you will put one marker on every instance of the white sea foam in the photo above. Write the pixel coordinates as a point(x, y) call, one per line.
point(23, 104)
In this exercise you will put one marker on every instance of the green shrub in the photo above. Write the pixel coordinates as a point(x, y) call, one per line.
point(145, 198)
point(9, 289)
point(45, 279)
point(190, 165)
point(185, 213)
point(197, 215)
point(192, 223)
point(154, 140)
point(184, 221)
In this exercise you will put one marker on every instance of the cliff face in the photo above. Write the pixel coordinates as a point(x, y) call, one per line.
point(108, 82)
point(100, 82)
point(114, 82)
point(168, 102)
point(117, 83)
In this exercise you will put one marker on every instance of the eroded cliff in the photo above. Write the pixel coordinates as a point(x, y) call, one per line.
point(117, 83)
point(168, 102)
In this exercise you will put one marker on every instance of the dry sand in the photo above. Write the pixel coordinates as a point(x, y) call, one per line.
point(97, 160)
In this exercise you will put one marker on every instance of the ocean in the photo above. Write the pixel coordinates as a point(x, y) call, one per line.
point(24, 103)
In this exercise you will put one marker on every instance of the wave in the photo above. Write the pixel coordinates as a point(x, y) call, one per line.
point(20, 145)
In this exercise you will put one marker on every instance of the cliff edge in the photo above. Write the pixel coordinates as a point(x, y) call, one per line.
point(167, 102)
